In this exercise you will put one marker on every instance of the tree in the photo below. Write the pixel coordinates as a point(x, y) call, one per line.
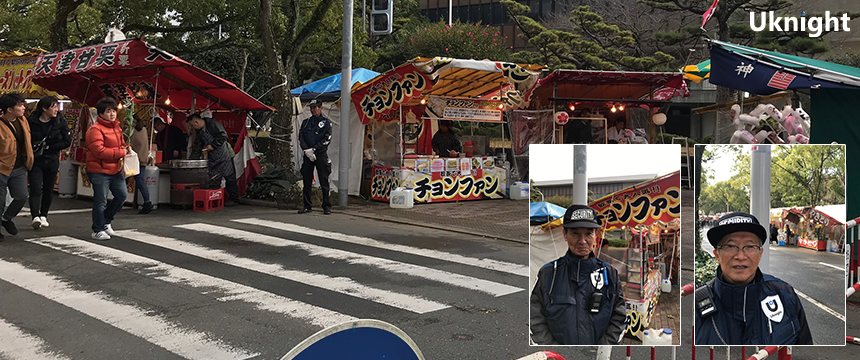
point(810, 175)
point(459, 40)
point(589, 44)
point(725, 196)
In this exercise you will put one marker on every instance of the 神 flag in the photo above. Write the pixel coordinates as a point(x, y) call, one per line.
point(710, 13)
point(245, 161)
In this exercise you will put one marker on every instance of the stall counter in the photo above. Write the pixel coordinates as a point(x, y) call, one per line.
point(819, 245)
point(442, 179)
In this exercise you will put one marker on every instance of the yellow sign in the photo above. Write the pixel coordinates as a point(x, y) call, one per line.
point(16, 75)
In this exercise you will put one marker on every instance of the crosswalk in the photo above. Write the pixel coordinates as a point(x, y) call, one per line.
point(324, 278)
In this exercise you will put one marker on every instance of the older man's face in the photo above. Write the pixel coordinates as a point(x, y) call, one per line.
point(738, 266)
point(580, 241)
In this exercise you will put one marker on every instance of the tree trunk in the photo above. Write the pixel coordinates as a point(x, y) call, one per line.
point(280, 151)
point(59, 28)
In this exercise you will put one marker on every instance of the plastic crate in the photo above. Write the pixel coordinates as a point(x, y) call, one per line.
point(208, 200)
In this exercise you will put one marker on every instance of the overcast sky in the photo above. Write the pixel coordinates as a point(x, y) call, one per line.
point(555, 162)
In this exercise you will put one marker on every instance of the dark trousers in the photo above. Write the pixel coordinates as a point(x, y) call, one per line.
point(104, 211)
point(323, 168)
point(140, 185)
point(42, 177)
point(16, 184)
point(231, 186)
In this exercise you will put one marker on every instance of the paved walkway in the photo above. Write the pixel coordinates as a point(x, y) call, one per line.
point(499, 219)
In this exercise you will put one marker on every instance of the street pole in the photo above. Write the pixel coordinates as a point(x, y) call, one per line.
point(580, 180)
point(760, 195)
point(345, 104)
point(450, 11)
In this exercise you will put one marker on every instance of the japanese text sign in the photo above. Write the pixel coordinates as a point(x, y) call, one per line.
point(645, 204)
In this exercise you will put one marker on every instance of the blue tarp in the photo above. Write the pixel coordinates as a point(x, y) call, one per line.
point(544, 212)
point(327, 89)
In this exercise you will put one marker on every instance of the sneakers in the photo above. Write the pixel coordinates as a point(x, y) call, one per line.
point(109, 231)
point(101, 235)
point(37, 223)
point(10, 227)
point(146, 208)
point(304, 210)
point(326, 211)
point(44, 221)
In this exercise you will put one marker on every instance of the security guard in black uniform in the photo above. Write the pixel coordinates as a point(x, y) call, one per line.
point(314, 137)
point(578, 299)
point(741, 305)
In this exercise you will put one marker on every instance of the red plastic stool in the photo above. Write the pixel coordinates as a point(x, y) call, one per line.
point(208, 200)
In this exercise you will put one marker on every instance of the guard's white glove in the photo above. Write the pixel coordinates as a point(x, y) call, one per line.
point(310, 154)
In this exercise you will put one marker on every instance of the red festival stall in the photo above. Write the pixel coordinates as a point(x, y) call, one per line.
point(651, 210)
point(404, 106)
point(157, 82)
point(816, 228)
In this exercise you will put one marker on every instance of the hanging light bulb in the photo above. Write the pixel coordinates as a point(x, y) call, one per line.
point(423, 101)
point(119, 106)
point(621, 107)
point(613, 109)
point(501, 106)
point(167, 101)
point(571, 106)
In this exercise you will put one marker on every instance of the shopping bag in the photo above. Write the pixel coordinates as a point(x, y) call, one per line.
point(131, 164)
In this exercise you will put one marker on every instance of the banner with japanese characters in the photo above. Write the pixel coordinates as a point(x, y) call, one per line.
point(381, 99)
point(460, 180)
point(116, 55)
point(16, 75)
point(643, 204)
point(439, 108)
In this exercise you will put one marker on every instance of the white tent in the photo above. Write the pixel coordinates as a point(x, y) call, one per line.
point(356, 144)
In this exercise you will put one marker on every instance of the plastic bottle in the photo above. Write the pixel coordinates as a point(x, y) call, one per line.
point(467, 148)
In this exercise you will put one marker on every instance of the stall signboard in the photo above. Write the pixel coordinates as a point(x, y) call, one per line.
point(817, 217)
point(456, 180)
point(439, 108)
point(645, 204)
point(641, 311)
point(811, 244)
point(16, 75)
point(383, 96)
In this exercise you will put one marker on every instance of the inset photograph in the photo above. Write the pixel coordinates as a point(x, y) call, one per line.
point(770, 258)
point(604, 244)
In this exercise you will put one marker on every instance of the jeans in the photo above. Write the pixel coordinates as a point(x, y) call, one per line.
point(16, 183)
point(104, 211)
point(42, 177)
point(140, 185)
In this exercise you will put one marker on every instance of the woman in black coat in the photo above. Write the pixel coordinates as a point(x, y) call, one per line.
point(50, 135)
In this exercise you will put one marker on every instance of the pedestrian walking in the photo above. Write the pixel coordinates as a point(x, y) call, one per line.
point(106, 149)
point(50, 135)
point(16, 158)
point(140, 145)
point(210, 142)
point(314, 137)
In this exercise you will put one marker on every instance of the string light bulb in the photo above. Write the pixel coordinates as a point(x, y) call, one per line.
point(621, 107)
point(501, 106)
point(613, 109)
point(423, 101)
point(119, 106)
point(571, 106)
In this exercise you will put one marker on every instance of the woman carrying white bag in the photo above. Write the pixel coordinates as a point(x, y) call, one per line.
point(106, 149)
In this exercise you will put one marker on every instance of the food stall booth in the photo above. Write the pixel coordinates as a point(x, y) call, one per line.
point(816, 229)
point(148, 82)
point(651, 211)
point(403, 108)
point(592, 101)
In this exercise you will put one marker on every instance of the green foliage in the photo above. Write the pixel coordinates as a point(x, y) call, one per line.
point(808, 175)
point(588, 43)
point(706, 267)
point(851, 58)
point(459, 40)
point(617, 243)
point(559, 200)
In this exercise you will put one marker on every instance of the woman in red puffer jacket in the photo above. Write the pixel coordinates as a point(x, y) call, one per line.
point(106, 149)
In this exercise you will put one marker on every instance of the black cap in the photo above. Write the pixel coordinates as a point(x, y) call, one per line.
point(734, 222)
point(581, 216)
point(315, 102)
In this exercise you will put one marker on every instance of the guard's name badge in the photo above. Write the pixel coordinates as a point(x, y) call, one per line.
point(772, 308)
point(321, 124)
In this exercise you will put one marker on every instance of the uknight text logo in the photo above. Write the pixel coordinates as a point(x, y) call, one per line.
point(814, 25)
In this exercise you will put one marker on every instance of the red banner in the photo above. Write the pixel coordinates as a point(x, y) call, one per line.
point(115, 55)
point(811, 244)
point(380, 100)
point(645, 204)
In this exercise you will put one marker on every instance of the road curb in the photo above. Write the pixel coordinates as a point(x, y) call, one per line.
point(433, 226)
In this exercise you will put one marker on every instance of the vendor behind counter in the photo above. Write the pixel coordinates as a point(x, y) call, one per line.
point(445, 141)
point(170, 139)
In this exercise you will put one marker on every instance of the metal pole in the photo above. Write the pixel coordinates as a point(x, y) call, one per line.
point(760, 195)
point(450, 12)
point(363, 14)
point(580, 180)
point(345, 104)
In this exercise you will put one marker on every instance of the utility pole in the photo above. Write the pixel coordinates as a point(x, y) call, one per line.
point(760, 195)
point(345, 104)
point(580, 179)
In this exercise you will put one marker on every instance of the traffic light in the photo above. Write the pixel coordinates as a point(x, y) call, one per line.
point(381, 17)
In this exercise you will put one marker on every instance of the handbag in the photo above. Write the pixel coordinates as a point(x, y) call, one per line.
point(130, 164)
point(40, 147)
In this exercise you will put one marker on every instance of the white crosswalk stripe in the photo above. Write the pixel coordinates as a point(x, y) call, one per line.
point(467, 282)
point(343, 285)
point(18, 345)
point(156, 329)
point(491, 264)
point(176, 275)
